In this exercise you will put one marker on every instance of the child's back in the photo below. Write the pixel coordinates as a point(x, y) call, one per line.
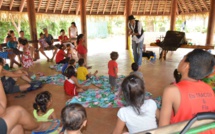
point(43, 117)
point(137, 73)
point(139, 114)
point(137, 123)
point(82, 73)
point(134, 67)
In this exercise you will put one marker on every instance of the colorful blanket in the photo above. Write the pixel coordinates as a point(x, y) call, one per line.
point(104, 97)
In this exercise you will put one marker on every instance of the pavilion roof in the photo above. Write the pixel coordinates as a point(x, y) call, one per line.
point(108, 7)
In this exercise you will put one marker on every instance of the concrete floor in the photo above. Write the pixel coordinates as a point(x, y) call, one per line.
point(157, 75)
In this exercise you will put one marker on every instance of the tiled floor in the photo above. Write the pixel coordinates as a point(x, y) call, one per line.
point(157, 75)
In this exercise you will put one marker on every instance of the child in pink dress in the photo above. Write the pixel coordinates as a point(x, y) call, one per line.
point(26, 58)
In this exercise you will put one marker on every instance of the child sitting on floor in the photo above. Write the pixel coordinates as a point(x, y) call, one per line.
point(70, 63)
point(71, 85)
point(82, 72)
point(139, 114)
point(135, 67)
point(60, 57)
point(41, 107)
point(113, 69)
point(74, 118)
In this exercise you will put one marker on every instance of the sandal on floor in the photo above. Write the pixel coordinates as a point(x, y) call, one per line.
point(20, 96)
point(50, 129)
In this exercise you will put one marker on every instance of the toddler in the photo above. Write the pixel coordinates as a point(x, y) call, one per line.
point(70, 63)
point(135, 67)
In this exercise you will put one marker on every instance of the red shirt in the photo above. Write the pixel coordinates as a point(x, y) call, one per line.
point(195, 97)
point(60, 56)
point(81, 48)
point(111, 65)
point(70, 87)
point(64, 38)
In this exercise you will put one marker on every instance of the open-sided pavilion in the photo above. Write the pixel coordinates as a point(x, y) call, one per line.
point(172, 8)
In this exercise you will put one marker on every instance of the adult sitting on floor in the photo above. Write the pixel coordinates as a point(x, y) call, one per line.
point(23, 41)
point(9, 79)
point(183, 100)
point(64, 40)
point(15, 119)
point(50, 40)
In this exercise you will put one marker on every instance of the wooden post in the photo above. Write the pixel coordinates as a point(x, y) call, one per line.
point(173, 15)
point(127, 13)
point(33, 27)
point(211, 24)
point(83, 18)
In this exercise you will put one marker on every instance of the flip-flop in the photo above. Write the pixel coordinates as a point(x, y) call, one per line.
point(20, 96)
point(49, 130)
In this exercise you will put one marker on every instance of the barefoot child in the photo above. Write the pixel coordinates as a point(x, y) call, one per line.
point(139, 114)
point(26, 58)
point(42, 111)
point(82, 72)
point(71, 85)
point(113, 69)
point(74, 118)
point(43, 45)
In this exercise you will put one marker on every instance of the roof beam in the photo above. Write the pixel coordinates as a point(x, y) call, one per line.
point(145, 7)
point(198, 4)
point(78, 7)
point(70, 6)
point(118, 7)
point(158, 6)
point(192, 5)
point(105, 6)
point(152, 7)
point(40, 2)
point(164, 10)
point(205, 5)
point(179, 4)
point(138, 8)
point(132, 6)
point(63, 5)
point(185, 6)
point(1, 3)
point(47, 6)
point(98, 6)
point(11, 4)
point(21, 5)
point(91, 9)
point(56, 3)
point(112, 6)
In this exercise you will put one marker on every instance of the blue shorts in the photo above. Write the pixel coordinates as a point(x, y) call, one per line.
point(3, 126)
point(4, 55)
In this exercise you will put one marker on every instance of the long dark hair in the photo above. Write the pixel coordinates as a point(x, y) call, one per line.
point(73, 24)
point(134, 92)
point(41, 101)
point(69, 72)
point(80, 36)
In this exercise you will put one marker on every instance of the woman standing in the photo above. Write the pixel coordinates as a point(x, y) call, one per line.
point(73, 32)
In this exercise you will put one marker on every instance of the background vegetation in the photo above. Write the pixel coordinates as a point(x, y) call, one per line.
point(104, 27)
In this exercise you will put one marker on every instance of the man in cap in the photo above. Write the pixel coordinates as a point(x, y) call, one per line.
point(136, 30)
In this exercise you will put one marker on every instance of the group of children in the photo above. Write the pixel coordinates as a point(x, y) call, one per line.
point(140, 114)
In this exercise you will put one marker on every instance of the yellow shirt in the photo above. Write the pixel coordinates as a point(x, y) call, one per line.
point(82, 73)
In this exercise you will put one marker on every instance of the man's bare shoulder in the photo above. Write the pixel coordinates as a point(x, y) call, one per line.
point(171, 90)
